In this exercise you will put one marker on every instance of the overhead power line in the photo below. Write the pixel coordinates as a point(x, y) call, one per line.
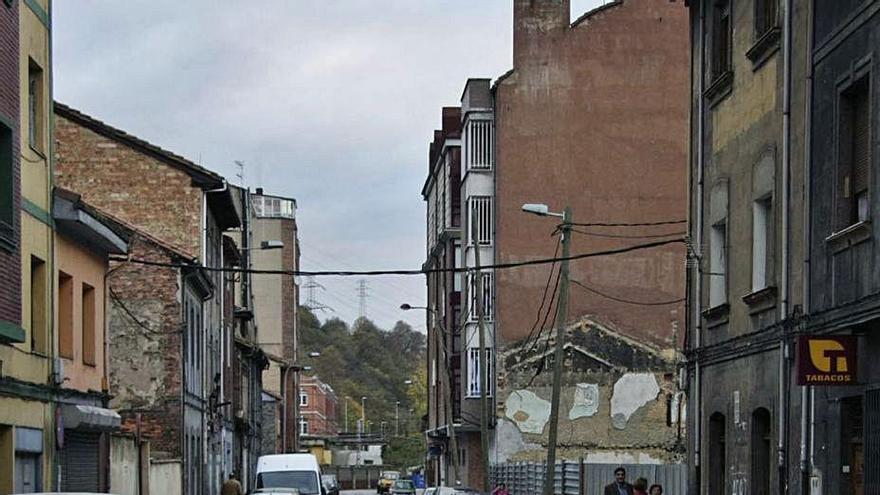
point(373, 273)
point(634, 224)
point(627, 301)
point(628, 236)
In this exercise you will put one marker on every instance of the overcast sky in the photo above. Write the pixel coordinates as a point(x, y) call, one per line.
point(332, 102)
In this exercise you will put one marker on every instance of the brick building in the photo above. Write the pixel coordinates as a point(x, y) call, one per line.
point(318, 408)
point(180, 316)
point(592, 116)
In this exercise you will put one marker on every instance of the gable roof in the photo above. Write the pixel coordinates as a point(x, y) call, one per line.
point(201, 176)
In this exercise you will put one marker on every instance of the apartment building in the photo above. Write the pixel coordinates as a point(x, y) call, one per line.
point(442, 192)
point(27, 349)
point(275, 246)
point(318, 407)
point(592, 116)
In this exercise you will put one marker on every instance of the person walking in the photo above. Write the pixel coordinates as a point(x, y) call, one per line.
point(620, 486)
point(231, 486)
point(655, 490)
point(640, 487)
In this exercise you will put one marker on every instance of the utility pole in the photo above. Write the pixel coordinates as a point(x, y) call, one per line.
point(561, 315)
point(447, 392)
point(345, 404)
point(397, 419)
point(484, 378)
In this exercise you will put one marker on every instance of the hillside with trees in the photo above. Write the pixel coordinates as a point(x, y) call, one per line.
point(363, 360)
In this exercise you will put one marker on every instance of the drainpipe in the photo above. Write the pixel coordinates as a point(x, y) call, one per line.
point(698, 246)
point(807, 465)
point(786, 192)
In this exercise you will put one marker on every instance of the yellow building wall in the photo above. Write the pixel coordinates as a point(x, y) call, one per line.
point(24, 361)
point(83, 266)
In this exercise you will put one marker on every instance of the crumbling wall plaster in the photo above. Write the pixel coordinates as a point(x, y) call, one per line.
point(528, 411)
point(631, 392)
point(585, 402)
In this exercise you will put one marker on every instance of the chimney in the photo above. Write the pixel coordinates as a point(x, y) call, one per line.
point(535, 22)
point(259, 191)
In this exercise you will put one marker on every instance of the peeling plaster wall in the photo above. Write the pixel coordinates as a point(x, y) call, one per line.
point(608, 412)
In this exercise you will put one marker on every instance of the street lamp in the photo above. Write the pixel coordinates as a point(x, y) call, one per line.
point(445, 386)
point(397, 419)
point(314, 354)
point(561, 310)
point(345, 404)
point(267, 246)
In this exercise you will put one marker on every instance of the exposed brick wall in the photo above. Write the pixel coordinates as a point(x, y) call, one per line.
point(145, 363)
point(595, 116)
point(321, 411)
point(10, 261)
point(129, 184)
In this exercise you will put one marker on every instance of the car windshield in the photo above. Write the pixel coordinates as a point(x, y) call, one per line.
point(391, 475)
point(304, 481)
point(403, 484)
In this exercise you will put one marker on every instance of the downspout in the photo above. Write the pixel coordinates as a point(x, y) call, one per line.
point(808, 464)
point(786, 192)
point(697, 247)
point(50, 161)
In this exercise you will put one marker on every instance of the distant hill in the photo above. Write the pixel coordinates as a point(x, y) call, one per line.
point(366, 361)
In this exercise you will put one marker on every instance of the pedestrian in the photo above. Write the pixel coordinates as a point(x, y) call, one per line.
point(231, 486)
point(640, 487)
point(655, 490)
point(620, 486)
point(500, 489)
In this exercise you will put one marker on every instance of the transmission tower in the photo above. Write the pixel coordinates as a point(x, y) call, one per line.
point(362, 290)
point(312, 302)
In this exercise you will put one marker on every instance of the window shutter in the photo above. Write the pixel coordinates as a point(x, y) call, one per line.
point(861, 142)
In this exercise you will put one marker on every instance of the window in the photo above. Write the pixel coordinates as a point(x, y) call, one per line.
point(474, 380)
point(762, 248)
point(456, 277)
point(721, 38)
point(303, 426)
point(718, 265)
point(7, 178)
point(480, 221)
point(854, 154)
point(765, 16)
point(65, 315)
point(717, 453)
point(762, 461)
point(303, 399)
point(486, 300)
point(39, 322)
point(88, 324)
point(479, 143)
point(35, 106)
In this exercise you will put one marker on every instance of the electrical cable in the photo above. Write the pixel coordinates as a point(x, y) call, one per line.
point(544, 295)
point(627, 236)
point(635, 224)
point(626, 301)
point(373, 273)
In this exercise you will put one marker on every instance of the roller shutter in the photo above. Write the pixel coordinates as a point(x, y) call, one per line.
point(80, 461)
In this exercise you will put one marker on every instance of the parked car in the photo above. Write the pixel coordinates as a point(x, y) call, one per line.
point(331, 484)
point(448, 490)
point(286, 471)
point(403, 487)
point(386, 479)
point(276, 491)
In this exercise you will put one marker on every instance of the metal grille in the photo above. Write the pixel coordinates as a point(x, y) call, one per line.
point(80, 461)
point(488, 309)
point(479, 144)
point(574, 478)
point(481, 212)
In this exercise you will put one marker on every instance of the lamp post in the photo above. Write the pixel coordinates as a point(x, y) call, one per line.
point(445, 386)
point(397, 419)
point(345, 406)
point(561, 310)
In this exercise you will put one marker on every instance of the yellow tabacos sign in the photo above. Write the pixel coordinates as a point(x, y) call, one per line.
point(827, 360)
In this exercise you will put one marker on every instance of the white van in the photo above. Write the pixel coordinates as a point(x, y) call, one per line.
point(299, 471)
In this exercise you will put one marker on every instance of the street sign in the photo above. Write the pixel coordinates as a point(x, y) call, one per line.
point(827, 360)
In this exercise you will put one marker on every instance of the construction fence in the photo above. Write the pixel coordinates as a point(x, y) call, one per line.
point(580, 478)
